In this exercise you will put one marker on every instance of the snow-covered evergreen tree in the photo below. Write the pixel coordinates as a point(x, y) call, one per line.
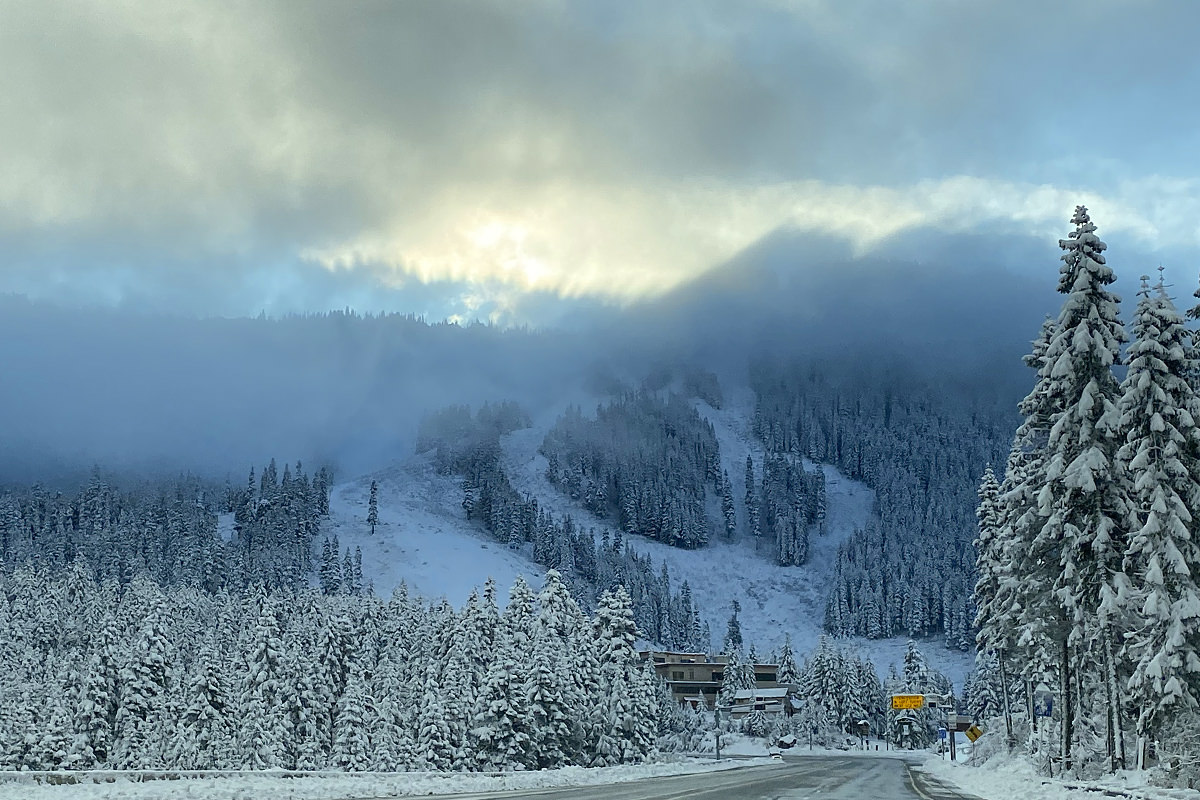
point(373, 507)
point(728, 512)
point(204, 740)
point(1161, 453)
point(733, 630)
point(753, 520)
point(501, 723)
point(1083, 501)
point(624, 714)
point(1017, 618)
point(789, 674)
point(141, 697)
point(988, 557)
point(352, 747)
point(262, 734)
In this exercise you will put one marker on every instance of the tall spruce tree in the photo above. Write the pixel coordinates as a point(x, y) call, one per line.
point(1083, 500)
point(1161, 452)
point(1016, 620)
point(733, 631)
point(727, 509)
point(991, 621)
point(789, 674)
point(753, 520)
point(373, 507)
point(987, 557)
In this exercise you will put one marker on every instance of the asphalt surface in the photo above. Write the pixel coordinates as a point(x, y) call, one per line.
point(805, 778)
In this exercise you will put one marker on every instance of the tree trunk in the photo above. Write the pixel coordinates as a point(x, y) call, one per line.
point(1010, 740)
point(1115, 731)
point(1067, 713)
point(1034, 725)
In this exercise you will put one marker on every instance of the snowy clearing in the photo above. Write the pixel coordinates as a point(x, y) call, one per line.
point(423, 537)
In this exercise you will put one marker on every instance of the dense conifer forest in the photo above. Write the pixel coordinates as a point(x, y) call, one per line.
point(921, 447)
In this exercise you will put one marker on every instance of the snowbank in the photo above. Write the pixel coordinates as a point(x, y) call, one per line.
point(1014, 778)
point(334, 785)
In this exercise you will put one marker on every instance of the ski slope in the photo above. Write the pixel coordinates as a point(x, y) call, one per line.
point(424, 539)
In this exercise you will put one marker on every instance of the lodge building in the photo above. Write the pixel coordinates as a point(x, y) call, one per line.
point(695, 678)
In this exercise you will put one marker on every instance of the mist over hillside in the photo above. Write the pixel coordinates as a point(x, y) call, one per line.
point(148, 393)
point(932, 303)
point(153, 393)
point(900, 372)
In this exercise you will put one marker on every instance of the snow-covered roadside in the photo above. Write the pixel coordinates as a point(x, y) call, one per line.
point(1014, 779)
point(335, 785)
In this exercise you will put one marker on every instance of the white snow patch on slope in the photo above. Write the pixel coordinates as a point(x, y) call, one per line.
point(225, 526)
point(423, 536)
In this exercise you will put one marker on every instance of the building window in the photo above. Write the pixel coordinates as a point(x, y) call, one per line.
point(765, 676)
point(676, 676)
point(717, 676)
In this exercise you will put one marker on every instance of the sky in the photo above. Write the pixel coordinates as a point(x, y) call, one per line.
point(515, 162)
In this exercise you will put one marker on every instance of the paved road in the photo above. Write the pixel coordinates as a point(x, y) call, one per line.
point(807, 778)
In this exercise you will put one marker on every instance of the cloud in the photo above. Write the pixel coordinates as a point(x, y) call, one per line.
point(626, 243)
point(572, 148)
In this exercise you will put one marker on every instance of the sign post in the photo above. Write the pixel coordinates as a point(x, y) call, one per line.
point(1043, 701)
point(717, 719)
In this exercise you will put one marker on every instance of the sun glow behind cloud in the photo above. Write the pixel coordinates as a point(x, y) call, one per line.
point(626, 244)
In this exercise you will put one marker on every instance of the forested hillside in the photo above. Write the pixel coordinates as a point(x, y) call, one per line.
point(786, 507)
point(470, 447)
point(921, 446)
point(645, 462)
point(167, 531)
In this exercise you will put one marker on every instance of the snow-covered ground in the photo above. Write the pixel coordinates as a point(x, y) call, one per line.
point(346, 785)
point(424, 539)
point(1014, 778)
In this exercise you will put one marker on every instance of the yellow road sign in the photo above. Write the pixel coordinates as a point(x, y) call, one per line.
point(908, 701)
point(974, 732)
